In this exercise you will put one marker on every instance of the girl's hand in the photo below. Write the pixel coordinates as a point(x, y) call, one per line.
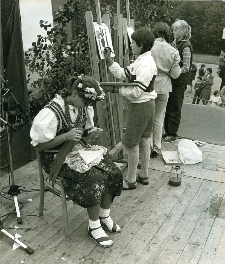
point(95, 132)
point(74, 134)
point(107, 53)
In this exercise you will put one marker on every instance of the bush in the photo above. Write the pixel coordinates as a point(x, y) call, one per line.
point(54, 57)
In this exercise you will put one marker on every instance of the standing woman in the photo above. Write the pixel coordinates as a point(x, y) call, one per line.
point(167, 60)
point(63, 124)
point(207, 83)
point(182, 35)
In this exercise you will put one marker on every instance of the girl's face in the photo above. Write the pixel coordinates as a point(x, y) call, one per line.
point(178, 32)
point(135, 49)
point(75, 100)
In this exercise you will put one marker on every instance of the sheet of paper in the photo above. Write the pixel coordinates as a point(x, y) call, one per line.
point(103, 39)
point(171, 157)
point(90, 155)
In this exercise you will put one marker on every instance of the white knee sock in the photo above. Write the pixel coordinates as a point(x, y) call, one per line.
point(104, 212)
point(106, 219)
point(99, 233)
point(94, 224)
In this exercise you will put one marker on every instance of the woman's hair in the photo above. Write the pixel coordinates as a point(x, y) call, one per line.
point(185, 27)
point(144, 37)
point(216, 92)
point(86, 87)
point(209, 70)
point(162, 30)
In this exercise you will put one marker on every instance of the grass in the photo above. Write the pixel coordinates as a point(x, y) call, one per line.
point(205, 58)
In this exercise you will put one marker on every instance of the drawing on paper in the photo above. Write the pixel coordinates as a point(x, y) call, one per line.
point(103, 39)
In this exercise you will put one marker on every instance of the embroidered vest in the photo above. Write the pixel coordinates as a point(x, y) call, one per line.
point(63, 124)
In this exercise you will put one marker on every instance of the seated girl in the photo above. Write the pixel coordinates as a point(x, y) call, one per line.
point(90, 181)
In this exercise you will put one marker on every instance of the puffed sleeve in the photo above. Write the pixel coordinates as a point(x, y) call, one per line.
point(90, 116)
point(44, 127)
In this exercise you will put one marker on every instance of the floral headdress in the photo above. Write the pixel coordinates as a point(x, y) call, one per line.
point(92, 93)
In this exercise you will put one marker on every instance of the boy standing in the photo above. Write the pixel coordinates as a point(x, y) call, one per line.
point(140, 121)
point(198, 89)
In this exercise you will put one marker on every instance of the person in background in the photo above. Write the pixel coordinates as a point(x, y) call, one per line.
point(192, 76)
point(222, 59)
point(198, 89)
point(182, 35)
point(201, 71)
point(64, 124)
point(222, 76)
point(215, 99)
point(142, 97)
point(222, 95)
point(221, 70)
point(167, 60)
point(207, 83)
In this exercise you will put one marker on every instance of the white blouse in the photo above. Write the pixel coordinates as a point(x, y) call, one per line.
point(44, 127)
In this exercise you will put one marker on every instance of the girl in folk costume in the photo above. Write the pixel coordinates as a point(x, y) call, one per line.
point(207, 82)
point(63, 124)
point(140, 121)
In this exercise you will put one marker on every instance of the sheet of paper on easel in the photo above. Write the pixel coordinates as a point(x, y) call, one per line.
point(103, 39)
point(130, 30)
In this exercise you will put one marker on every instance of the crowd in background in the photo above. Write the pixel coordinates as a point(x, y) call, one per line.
point(203, 85)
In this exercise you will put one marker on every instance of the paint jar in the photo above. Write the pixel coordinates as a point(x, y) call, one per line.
point(175, 176)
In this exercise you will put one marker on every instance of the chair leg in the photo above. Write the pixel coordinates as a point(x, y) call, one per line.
point(42, 185)
point(42, 195)
point(64, 208)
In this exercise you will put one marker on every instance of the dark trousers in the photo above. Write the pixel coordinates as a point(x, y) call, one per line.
point(196, 97)
point(173, 109)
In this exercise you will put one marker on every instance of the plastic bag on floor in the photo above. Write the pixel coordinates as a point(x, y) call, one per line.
point(188, 152)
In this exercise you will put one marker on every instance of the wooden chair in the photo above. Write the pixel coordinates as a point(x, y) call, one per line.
point(42, 174)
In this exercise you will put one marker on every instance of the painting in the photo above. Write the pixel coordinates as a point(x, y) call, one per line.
point(103, 39)
point(130, 30)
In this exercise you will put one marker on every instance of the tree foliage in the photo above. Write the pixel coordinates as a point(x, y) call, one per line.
point(56, 57)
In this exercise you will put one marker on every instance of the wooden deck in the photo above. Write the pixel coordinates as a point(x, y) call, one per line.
point(160, 224)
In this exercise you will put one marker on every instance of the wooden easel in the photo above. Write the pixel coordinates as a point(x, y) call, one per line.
point(110, 112)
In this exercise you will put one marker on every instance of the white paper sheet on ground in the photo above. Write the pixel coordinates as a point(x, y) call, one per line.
point(15, 245)
point(90, 155)
point(171, 157)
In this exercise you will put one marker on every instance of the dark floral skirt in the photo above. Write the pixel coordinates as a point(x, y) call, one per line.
point(87, 189)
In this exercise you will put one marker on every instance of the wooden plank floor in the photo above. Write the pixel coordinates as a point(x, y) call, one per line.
point(160, 224)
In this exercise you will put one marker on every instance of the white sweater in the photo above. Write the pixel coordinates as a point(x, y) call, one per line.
point(143, 69)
